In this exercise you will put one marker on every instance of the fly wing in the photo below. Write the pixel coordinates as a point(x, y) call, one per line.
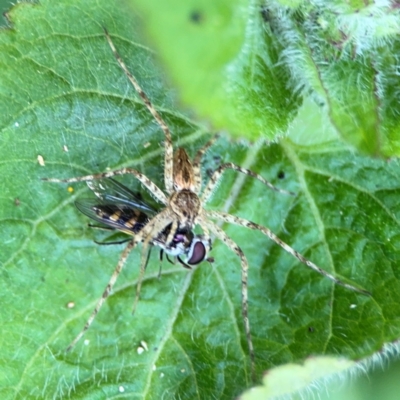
point(118, 216)
point(111, 191)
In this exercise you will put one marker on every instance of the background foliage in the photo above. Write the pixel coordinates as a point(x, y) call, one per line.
point(60, 86)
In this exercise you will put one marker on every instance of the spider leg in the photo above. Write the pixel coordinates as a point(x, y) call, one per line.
point(107, 290)
point(197, 163)
point(212, 183)
point(147, 234)
point(168, 163)
point(245, 266)
point(143, 179)
point(248, 224)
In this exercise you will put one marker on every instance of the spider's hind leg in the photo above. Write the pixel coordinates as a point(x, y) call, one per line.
point(106, 293)
point(232, 219)
point(197, 162)
point(216, 176)
point(216, 230)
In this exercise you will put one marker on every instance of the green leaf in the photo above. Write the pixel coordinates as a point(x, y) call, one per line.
point(63, 97)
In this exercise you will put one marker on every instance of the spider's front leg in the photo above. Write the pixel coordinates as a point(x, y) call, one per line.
point(149, 233)
point(143, 179)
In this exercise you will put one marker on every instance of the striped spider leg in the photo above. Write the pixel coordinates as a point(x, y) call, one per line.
point(183, 210)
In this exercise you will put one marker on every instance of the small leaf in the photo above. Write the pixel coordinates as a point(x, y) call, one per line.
point(346, 55)
point(292, 378)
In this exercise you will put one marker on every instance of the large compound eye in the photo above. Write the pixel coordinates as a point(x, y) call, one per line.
point(198, 252)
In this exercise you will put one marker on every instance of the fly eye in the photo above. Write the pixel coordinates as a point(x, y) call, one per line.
point(198, 253)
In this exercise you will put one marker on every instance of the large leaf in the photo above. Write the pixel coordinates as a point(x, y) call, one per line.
point(62, 89)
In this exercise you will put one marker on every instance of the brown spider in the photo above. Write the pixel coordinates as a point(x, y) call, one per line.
point(183, 200)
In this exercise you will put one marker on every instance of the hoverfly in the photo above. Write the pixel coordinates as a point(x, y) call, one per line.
point(123, 210)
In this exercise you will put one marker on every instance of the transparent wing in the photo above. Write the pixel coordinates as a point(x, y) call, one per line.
point(111, 191)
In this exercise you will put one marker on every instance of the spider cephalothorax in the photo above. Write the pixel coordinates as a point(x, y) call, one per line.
point(186, 206)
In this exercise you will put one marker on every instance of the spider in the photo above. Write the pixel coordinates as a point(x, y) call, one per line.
point(184, 199)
